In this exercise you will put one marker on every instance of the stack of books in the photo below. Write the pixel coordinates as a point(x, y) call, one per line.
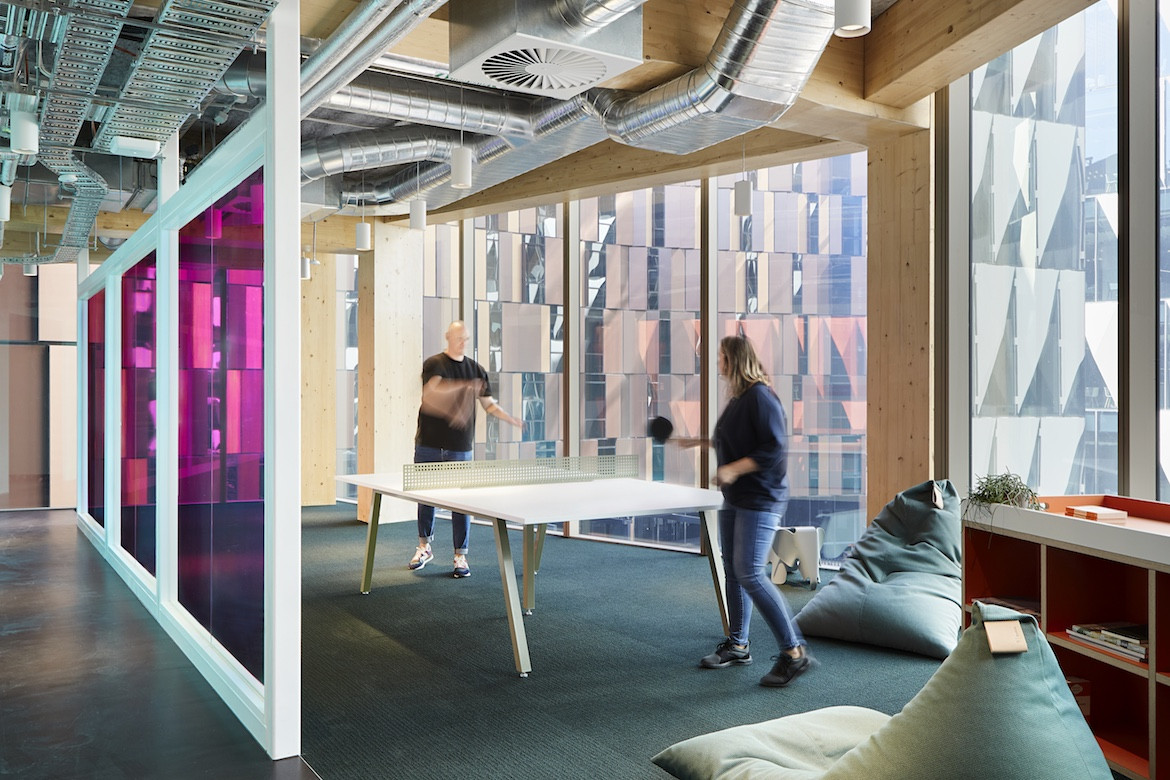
point(1129, 640)
point(1102, 513)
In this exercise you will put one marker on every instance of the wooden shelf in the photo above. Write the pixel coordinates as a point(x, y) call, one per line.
point(1087, 571)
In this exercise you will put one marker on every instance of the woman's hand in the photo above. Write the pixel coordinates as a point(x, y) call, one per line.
point(725, 475)
point(688, 442)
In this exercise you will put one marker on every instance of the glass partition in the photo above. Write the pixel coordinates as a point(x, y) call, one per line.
point(221, 421)
point(96, 406)
point(139, 411)
point(38, 387)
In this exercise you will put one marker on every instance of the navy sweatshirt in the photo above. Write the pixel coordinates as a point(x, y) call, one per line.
point(755, 426)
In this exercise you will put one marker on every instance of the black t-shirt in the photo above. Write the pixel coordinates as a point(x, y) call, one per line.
point(437, 431)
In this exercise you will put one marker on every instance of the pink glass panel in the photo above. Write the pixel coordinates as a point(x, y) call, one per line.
point(95, 406)
point(221, 421)
point(139, 426)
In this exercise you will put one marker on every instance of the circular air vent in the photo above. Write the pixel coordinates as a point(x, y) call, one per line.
point(537, 69)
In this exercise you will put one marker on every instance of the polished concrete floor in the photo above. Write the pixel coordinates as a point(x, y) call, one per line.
point(90, 685)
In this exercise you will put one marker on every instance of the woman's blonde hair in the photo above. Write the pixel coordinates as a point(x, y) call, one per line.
point(744, 368)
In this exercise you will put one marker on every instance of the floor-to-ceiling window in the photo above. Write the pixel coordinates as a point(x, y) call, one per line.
point(139, 504)
point(1044, 225)
point(519, 257)
point(639, 347)
point(347, 374)
point(791, 276)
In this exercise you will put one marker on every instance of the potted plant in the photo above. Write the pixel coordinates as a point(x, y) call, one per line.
point(1006, 488)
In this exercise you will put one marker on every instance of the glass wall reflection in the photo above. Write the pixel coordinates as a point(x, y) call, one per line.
point(96, 406)
point(1044, 270)
point(139, 411)
point(221, 421)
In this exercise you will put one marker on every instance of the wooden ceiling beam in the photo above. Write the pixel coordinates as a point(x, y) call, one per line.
point(610, 167)
point(919, 46)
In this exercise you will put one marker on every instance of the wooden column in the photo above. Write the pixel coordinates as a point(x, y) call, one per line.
point(390, 354)
point(901, 318)
point(319, 384)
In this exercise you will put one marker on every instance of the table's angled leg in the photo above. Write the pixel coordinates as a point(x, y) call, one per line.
point(371, 541)
point(530, 567)
point(512, 598)
point(709, 523)
point(540, 534)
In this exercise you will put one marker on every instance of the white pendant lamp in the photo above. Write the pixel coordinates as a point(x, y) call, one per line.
point(364, 239)
point(743, 198)
point(30, 269)
point(5, 203)
point(851, 18)
point(25, 132)
point(306, 266)
point(418, 214)
point(461, 158)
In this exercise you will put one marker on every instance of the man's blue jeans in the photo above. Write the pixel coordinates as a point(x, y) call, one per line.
point(746, 536)
point(460, 523)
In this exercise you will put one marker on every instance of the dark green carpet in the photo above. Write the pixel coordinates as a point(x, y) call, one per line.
point(416, 679)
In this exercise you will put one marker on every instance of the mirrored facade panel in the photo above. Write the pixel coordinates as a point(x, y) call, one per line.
point(639, 353)
point(139, 503)
point(518, 333)
point(1044, 268)
point(221, 421)
point(791, 277)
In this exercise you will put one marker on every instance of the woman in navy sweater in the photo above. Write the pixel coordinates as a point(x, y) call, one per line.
point(751, 447)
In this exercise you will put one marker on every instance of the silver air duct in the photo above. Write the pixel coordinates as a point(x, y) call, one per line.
point(400, 21)
point(592, 14)
point(761, 60)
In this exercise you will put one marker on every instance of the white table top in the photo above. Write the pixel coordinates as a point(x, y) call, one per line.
point(554, 502)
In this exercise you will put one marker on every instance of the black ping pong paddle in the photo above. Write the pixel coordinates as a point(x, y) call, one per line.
point(660, 429)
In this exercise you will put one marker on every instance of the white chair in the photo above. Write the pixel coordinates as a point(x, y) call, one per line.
point(798, 546)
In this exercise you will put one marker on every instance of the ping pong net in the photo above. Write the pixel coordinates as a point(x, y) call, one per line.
point(491, 473)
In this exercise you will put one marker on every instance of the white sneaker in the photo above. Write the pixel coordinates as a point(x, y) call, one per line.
point(422, 556)
point(461, 569)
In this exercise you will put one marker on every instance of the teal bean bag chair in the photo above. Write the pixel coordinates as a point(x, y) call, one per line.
point(901, 585)
point(979, 716)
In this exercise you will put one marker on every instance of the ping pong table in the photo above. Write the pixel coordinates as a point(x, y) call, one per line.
point(546, 493)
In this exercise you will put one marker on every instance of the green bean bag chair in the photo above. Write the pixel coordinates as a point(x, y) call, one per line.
point(901, 585)
point(979, 716)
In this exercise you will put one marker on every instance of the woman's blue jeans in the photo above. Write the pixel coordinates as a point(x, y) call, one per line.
point(460, 523)
point(746, 536)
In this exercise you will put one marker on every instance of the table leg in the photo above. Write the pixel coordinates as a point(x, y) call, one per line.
point(512, 598)
point(533, 549)
point(710, 531)
point(371, 541)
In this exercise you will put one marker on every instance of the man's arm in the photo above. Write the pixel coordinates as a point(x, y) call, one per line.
point(491, 407)
point(450, 399)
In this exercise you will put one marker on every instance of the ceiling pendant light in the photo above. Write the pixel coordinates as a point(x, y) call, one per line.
point(31, 269)
point(306, 265)
point(5, 203)
point(851, 18)
point(24, 132)
point(418, 214)
point(742, 200)
point(461, 156)
point(363, 238)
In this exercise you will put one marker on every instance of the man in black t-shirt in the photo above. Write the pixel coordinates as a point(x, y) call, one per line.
point(451, 384)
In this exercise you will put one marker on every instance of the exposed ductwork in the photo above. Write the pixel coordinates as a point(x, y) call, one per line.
point(400, 21)
point(761, 60)
point(592, 14)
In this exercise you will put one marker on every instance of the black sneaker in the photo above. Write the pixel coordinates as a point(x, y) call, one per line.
point(725, 655)
point(786, 669)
